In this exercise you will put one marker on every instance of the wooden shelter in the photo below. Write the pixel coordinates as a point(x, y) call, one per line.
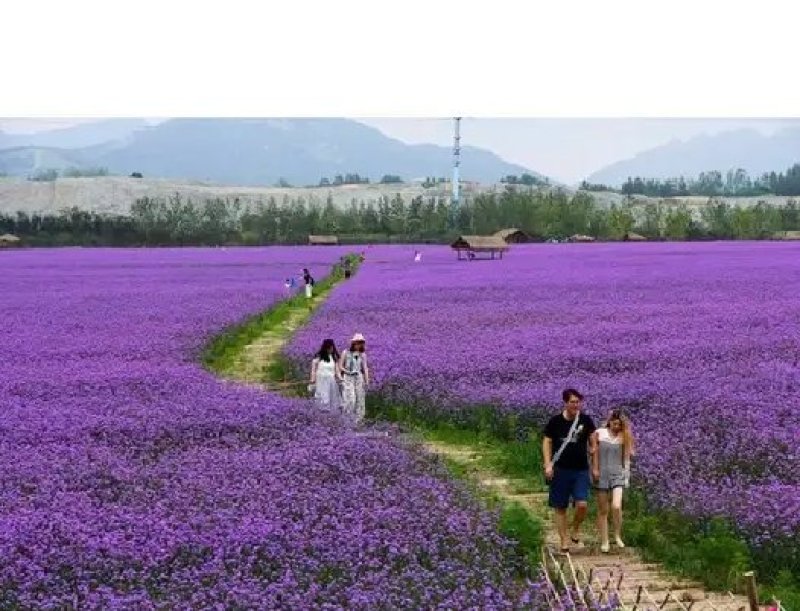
point(323, 240)
point(634, 237)
point(9, 240)
point(512, 235)
point(471, 247)
point(786, 235)
point(580, 238)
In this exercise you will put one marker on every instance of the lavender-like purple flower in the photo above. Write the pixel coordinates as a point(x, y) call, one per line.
point(698, 342)
point(132, 478)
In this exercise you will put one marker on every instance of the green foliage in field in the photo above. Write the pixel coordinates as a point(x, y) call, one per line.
point(527, 531)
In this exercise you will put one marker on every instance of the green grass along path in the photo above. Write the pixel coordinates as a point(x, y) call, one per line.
point(503, 474)
point(251, 352)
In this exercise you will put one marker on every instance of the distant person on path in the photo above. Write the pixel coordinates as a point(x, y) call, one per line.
point(309, 282)
point(417, 256)
point(611, 465)
point(290, 284)
point(355, 373)
point(568, 438)
point(326, 376)
point(347, 269)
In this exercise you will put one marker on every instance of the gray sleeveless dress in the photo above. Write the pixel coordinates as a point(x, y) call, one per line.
point(612, 471)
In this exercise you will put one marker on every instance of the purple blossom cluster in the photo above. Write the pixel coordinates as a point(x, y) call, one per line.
point(132, 478)
point(698, 342)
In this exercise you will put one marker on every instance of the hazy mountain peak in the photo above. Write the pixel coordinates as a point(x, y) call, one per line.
point(739, 148)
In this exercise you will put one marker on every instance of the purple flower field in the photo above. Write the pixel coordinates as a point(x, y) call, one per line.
point(699, 341)
point(132, 478)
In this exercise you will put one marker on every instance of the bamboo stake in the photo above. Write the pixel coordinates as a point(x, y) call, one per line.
point(638, 597)
point(578, 588)
point(752, 594)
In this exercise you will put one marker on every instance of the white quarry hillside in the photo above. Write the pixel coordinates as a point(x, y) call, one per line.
point(116, 194)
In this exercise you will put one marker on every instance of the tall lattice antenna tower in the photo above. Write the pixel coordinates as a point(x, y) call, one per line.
point(456, 164)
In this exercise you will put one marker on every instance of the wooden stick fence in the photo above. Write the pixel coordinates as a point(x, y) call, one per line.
point(567, 579)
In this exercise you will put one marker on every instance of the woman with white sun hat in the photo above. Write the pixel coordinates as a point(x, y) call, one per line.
point(355, 374)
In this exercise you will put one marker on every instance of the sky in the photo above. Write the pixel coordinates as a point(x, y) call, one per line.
point(567, 150)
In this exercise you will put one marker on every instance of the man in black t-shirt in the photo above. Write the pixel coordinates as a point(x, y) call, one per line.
point(566, 445)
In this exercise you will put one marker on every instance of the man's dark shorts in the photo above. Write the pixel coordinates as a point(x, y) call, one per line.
point(566, 484)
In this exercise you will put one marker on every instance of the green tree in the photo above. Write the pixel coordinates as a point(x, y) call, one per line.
point(620, 221)
point(717, 218)
point(652, 224)
point(677, 223)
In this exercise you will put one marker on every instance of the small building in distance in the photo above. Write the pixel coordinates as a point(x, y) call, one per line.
point(323, 240)
point(512, 235)
point(580, 238)
point(471, 247)
point(633, 237)
point(7, 240)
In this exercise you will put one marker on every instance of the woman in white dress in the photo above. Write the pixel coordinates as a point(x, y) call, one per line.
point(355, 373)
point(326, 376)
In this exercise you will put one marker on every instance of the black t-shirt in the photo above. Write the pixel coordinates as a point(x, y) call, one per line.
point(574, 455)
point(308, 279)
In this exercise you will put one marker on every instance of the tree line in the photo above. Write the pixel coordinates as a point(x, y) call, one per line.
point(51, 174)
point(526, 179)
point(735, 182)
point(543, 215)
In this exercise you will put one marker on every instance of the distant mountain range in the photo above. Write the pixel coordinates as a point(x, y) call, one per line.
point(248, 152)
point(260, 152)
point(747, 149)
point(78, 136)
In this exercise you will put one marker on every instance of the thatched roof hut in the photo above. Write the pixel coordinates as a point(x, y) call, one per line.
point(634, 237)
point(323, 240)
point(787, 235)
point(512, 235)
point(9, 240)
point(472, 245)
point(580, 238)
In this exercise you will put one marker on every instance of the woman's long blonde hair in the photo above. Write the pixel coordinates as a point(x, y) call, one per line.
point(628, 443)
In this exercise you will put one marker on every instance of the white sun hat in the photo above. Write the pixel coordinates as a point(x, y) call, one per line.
point(357, 338)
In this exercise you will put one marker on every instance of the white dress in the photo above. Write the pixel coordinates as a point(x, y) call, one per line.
point(326, 391)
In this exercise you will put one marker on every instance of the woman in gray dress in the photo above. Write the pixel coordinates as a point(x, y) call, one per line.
point(611, 471)
point(355, 374)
